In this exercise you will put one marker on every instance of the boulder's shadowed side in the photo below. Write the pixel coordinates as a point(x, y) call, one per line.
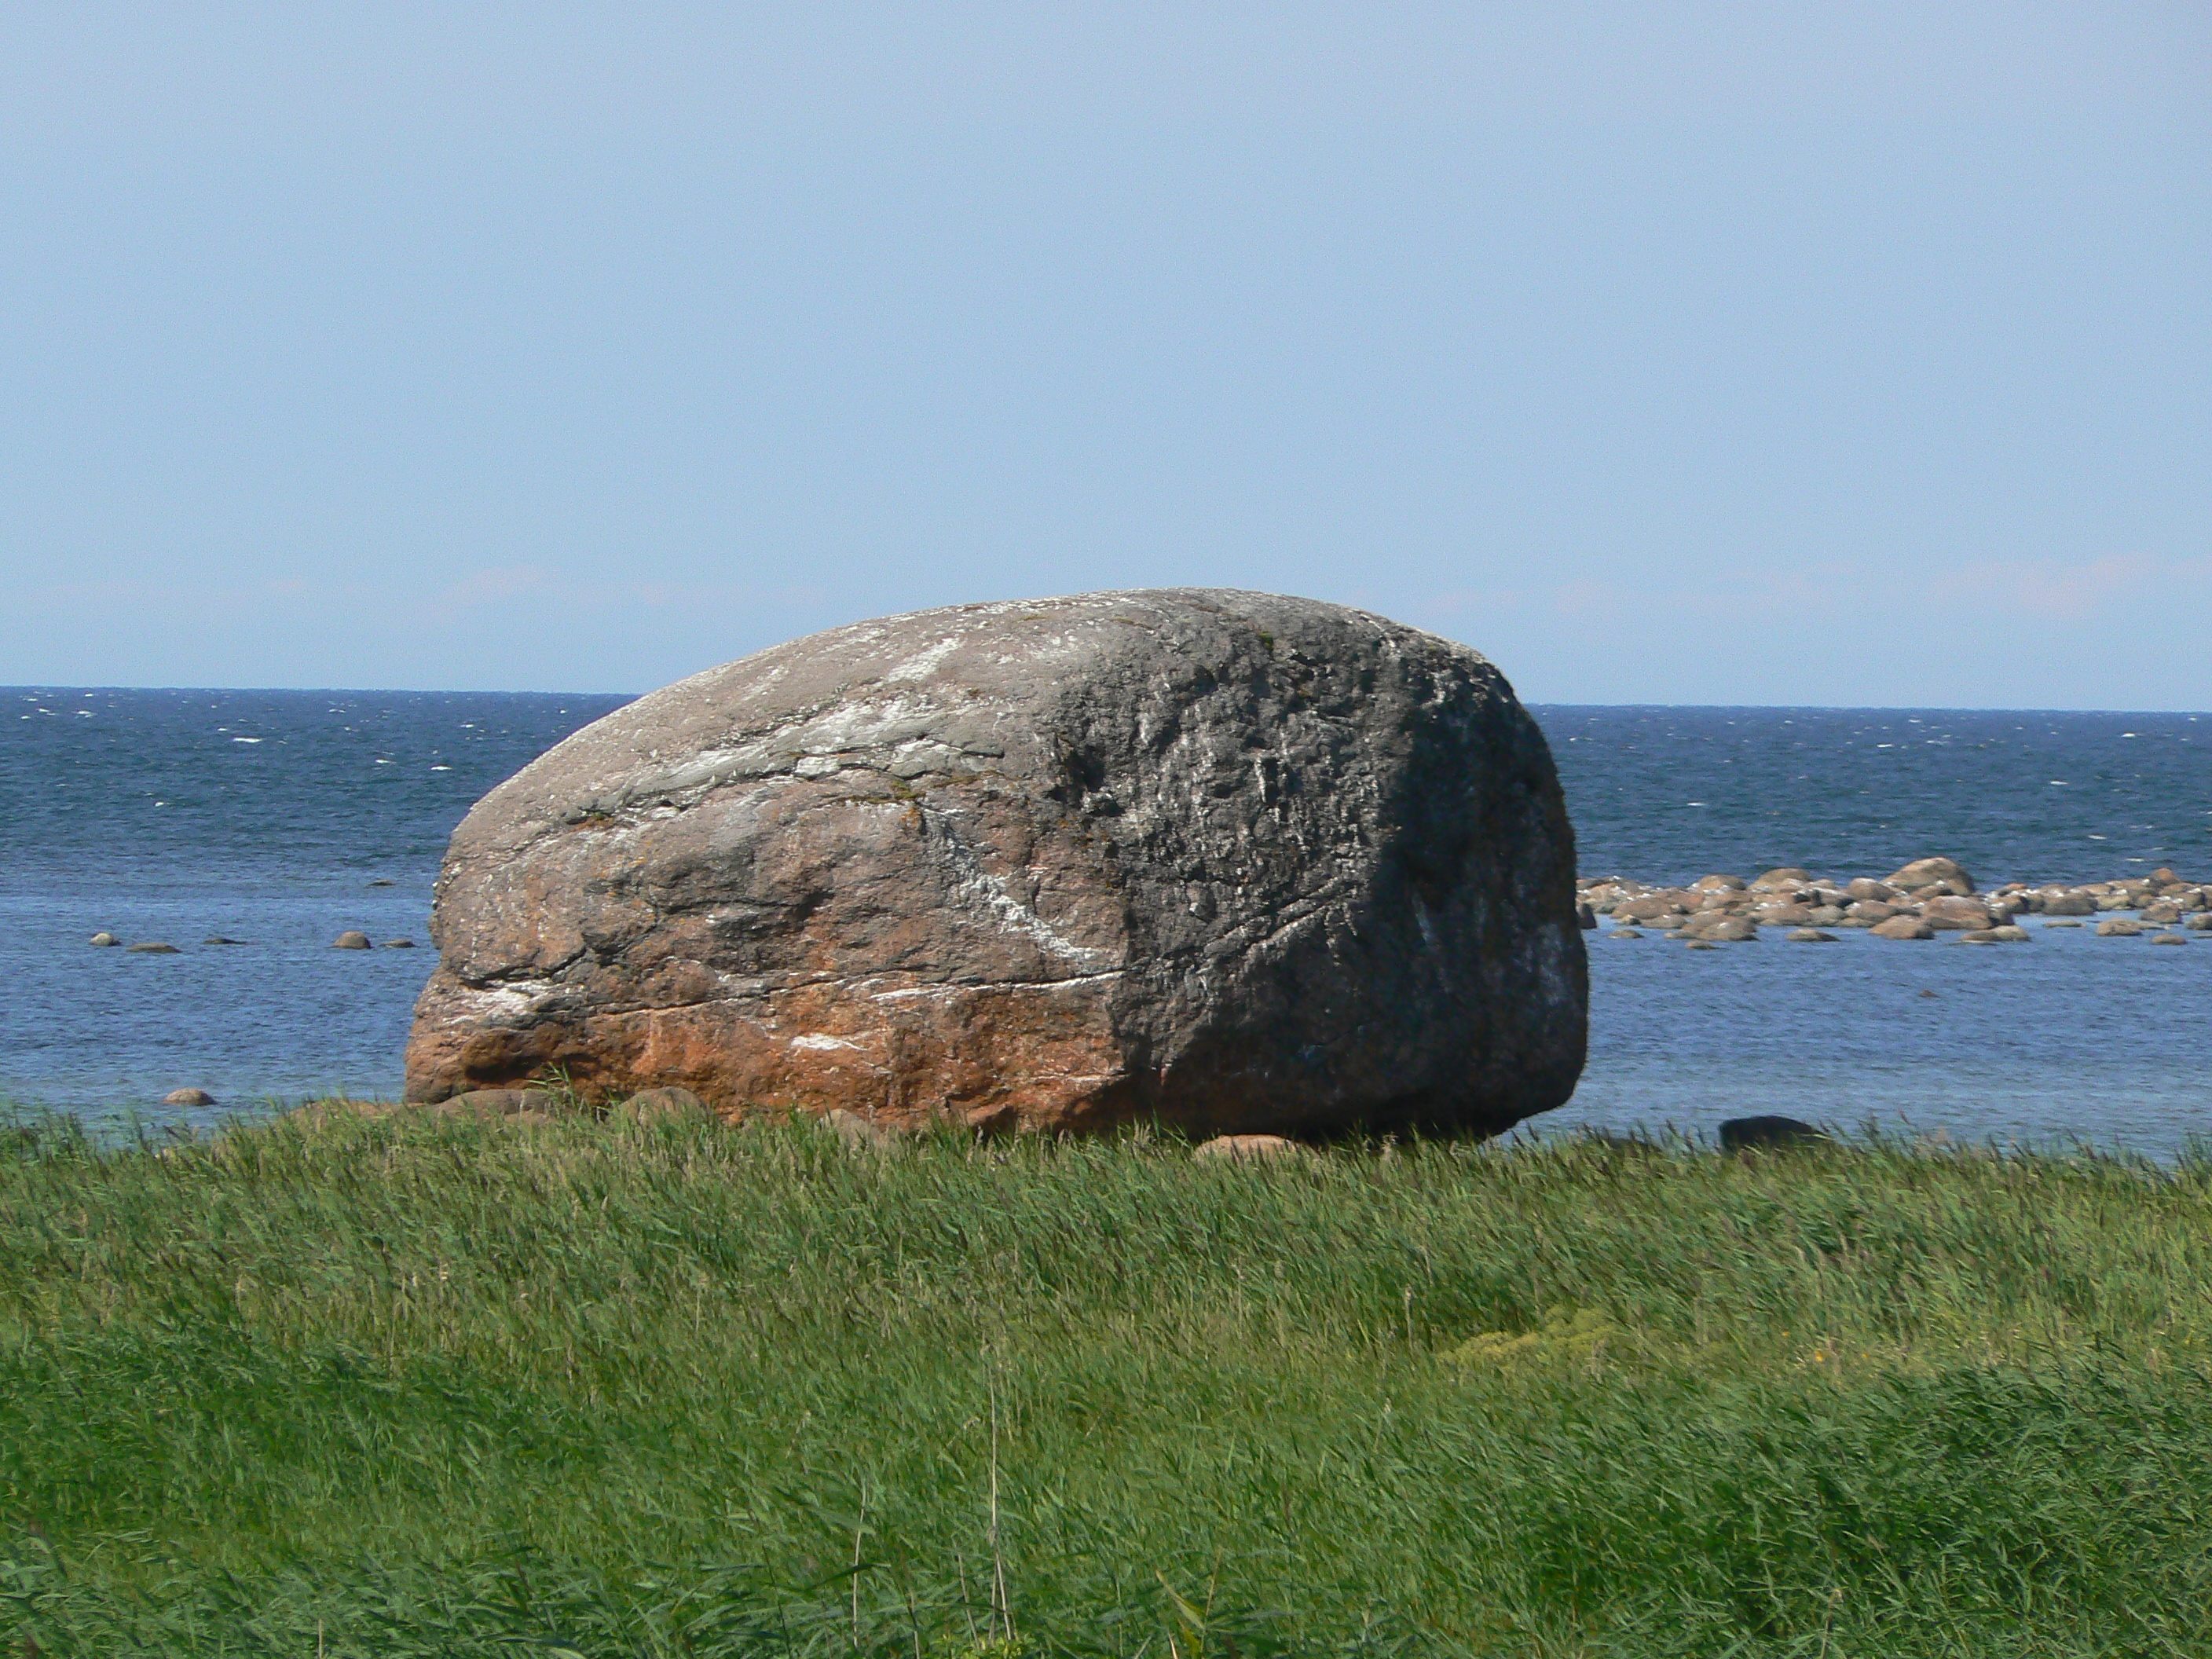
point(1240, 862)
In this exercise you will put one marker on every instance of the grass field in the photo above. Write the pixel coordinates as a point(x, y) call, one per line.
point(396, 1387)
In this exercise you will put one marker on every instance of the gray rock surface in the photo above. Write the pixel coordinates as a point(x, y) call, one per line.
point(1240, 862)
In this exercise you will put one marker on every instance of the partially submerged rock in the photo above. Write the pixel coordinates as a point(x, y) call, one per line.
point(352, 939)
point(1233, 861)
point(188, 1097)
point(1903, 928)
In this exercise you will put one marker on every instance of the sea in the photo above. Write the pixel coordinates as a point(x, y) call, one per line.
point(276, 820)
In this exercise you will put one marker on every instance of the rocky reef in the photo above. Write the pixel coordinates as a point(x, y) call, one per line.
point(1922, 899)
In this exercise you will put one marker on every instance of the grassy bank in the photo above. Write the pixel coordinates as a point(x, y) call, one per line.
point(388, 1388)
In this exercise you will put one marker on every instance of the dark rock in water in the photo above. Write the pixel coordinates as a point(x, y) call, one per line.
point(1743, 1134)
point(351, 939)
point(400, 945)
point(2171, 939)
point(1810, 936)
point(153, 948)
point(1585, 917)
point(104, 939)
point(188, 1097)
point(220, 938)
point(1233, 861)
point(1625, 932)
point(383, 881)
point(1945, 873)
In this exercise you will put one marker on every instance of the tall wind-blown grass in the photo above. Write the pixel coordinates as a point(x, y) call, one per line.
point(400, 1385)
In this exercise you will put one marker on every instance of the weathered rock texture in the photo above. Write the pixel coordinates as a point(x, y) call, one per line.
point(1239, 862)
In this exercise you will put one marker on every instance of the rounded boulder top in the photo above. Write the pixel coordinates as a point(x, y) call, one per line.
point(1234, 862)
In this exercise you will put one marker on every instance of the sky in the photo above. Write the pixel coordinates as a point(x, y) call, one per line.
point(1852, 355)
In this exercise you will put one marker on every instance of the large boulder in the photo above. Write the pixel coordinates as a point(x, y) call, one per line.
point(1237, 862)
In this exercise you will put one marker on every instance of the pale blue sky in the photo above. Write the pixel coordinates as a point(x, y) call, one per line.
point(1667, 353)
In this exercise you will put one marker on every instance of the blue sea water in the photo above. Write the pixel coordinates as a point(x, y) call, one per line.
point(266, 816)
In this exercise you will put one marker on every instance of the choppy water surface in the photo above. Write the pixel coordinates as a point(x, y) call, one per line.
point(265, 815)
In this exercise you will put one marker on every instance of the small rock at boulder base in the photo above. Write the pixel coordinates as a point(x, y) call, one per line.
point(856, 1131)
point(351, 939)
point(104, 939)
point(1585, 917)
point(1701, 944)
point(153, 947)
point(1945, 873)
point(2010, 933)
point(1246, 1149)
point(1229, 861)
point(188, 1097)
point(535, 1105)
point(1766, 1131)
point(665, 1104)
point(1630, 932)
point(1810, 936)
point(1903, 928)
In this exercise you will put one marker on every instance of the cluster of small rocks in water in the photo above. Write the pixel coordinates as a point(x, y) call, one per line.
point(351, 939)
point(1925, 897)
